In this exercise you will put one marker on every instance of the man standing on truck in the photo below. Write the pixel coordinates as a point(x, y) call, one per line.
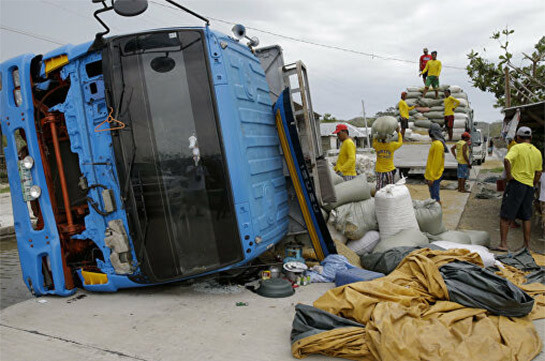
point(433, 70)
point(384, 167)
point(460, 151)
point(424, 58)
point(436, 161)
point(404, 113)
point(346, 161)
point(523, 168)
point(450, 104)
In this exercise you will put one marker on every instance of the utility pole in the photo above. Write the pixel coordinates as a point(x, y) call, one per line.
point(507, 89)
point(366, 126)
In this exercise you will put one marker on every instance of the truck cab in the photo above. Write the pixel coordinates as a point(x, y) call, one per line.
point(478, 147)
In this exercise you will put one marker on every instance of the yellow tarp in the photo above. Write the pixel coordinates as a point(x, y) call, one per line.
point(408, 316)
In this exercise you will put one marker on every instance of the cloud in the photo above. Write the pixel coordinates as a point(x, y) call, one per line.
point(339, 80)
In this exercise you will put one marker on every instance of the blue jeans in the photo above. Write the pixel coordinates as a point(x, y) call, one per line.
point(434, 189)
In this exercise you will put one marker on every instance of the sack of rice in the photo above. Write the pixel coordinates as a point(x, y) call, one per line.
point(384, 127)
point(441, 122)
point(403, 238)
point(429, 216)
point(355, 219)
point(394, 210)
point(357, 189)
point(480, 238)
point(365, 244)
point(459, 123)
point(435, 115)
point(423, 123)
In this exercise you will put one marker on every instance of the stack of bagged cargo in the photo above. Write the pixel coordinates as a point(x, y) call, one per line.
point(430, 110)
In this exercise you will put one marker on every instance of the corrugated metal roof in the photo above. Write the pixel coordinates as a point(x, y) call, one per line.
point(327, 129)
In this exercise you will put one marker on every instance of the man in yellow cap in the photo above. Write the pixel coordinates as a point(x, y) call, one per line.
point(346, 161)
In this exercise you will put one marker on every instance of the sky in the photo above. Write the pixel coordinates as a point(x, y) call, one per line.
point(339, 80)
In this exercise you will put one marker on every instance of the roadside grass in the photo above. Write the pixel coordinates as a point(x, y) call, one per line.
point(496, 170)
point(4, 190)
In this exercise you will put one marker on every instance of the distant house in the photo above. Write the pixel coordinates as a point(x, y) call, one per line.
point(330, 141)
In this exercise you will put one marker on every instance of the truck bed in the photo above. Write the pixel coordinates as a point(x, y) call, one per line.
point(414, 157)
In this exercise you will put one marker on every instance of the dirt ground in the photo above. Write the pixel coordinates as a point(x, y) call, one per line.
point(483, 214)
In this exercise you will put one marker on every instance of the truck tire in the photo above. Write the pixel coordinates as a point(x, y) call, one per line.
point(479, 162)
point(483, 160)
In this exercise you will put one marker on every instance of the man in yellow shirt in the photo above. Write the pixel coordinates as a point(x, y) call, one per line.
point(346, 161)
point(523, 167)
point(450, 104)
point(404, 113)
point(433, 68)
point(436, 161)
point(384, 167)
point(460, 152)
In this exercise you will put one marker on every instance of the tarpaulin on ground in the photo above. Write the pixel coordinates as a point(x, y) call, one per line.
point(408, 316)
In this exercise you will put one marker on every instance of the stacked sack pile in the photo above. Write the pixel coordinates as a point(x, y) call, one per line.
point(430, 110)
point(372, 225)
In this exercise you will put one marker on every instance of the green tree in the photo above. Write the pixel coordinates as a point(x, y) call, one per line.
point(328, 118)
point(527, 82)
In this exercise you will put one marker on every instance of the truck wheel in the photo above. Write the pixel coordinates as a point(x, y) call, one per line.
point(479, 162)
point(483, 160)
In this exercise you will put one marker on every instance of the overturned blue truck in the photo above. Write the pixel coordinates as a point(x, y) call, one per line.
point(150, 158)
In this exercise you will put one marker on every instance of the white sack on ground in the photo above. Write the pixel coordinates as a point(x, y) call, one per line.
point(394, 210)
point(480, 238)
point(355, 219)
point(353, 190)
point(429, 216)
point(366, 244)
point(451, 236)
point(486, 255)
point(404, 238)
point(336, 235)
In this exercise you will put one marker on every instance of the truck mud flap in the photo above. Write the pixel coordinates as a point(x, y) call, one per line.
point(301, 179)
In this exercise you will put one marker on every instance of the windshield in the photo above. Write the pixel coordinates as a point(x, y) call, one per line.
point(178, 191)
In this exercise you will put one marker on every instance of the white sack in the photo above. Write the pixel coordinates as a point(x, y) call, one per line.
point(451, 236)
point(429, 216)
point(394, 210)
point(353, 190)
point(486, 256)
point(435, 115)
point(459, 123)
point(441, 122)
point(423, 123)
point(355, 219)
point(335, 177)
point(480, 238)
point(384, 126)
point(404, 238)
point(336, 235)
point(366, 244)
point(454, 89)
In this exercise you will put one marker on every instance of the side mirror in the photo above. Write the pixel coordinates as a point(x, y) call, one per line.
point(130, 7)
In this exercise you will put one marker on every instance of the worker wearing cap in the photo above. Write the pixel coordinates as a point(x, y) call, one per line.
point(433, 70)
point(404, 113)
point(436, 161)
point(346, 161)
point(384, 167)
point(450, 104)
point(424, 58)
point(523, 168)
point(461, 153)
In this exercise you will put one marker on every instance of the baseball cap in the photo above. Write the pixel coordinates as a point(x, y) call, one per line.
point(466, 135)
point(403, 93)
point(340, 127)
point(524, 132)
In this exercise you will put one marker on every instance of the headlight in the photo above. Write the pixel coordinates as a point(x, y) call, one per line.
point(18, 97)
point(35, 192)
point(16, 80)
point(28, 162)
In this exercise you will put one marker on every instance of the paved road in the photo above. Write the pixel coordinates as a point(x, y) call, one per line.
point(12, 288)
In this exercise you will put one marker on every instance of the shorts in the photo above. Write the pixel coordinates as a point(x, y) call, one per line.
point(463, 171)
point(434, 189)
point(385, 178)
point(404, 123)
point(517, 201)
point(424, 76)
point(433, 81)
point(449, 121)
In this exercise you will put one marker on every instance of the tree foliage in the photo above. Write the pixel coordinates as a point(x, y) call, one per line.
point(527, 81)
point(328, 118)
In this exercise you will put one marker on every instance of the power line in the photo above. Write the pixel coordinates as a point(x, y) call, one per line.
point(333, 47)
point(32, 35)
